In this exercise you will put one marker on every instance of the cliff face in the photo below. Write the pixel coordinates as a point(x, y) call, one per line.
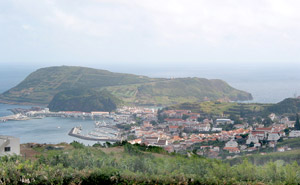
point(42, 85)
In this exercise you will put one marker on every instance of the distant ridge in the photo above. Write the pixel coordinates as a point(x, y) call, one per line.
point(42, 85)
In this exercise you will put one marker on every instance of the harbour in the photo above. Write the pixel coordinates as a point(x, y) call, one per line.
point(55, 127)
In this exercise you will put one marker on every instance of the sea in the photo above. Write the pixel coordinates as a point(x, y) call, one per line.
point(267, 84)
point(51, 130)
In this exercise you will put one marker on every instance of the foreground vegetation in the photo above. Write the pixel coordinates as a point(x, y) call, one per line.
point(134, 164)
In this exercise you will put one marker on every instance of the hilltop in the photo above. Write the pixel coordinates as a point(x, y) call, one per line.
point(42, 85)
point(288, 105)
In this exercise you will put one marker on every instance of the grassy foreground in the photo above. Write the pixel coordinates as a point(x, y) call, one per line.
point(133, 164)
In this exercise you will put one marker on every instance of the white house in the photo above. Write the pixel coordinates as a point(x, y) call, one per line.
point(281, 149)
point(173, 128)
point(273, 137)
point(216, 129)
point(257, 145)
point(252, 139)
point(203, 127)
point(161, 143)
point(260, 134)
point(290, 124)
point(99, 113)
point(9, 145)
point(151, 140)
point(231, 143)
point(224, 121)
point(294, 133)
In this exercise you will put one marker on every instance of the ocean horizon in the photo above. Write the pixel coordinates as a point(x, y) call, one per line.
point(261, 82)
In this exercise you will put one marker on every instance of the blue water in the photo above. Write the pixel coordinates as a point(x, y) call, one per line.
point(10, 77)
point(4, 109)
point(48, 130)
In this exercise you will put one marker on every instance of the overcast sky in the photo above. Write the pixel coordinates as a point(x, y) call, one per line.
point(112, 33)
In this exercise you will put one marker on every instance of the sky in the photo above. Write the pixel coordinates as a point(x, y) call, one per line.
point(149, 34)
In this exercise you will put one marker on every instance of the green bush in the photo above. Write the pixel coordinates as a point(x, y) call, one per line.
point(90, 165)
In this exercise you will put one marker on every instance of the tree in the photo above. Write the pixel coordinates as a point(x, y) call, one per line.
point(267, 122)
point(286, 131)
point(235, 118)
point(77, 145)
point(297, 124)
point(200, 119)
point(161, 117)
point(153, 122)
point(184, 117)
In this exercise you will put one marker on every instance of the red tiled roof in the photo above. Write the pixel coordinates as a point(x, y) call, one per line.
point(168, 119)
point(264, 129)
point(177, 138)
point(231, 148)
point(173, 126)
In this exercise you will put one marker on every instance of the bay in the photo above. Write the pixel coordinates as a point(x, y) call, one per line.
point(50, 130)
point(267, 85)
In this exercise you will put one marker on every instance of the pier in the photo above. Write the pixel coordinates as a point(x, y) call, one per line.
point(15, 117)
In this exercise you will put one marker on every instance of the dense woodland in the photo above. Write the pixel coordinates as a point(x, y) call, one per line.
point(85, 100)
point(135, 164)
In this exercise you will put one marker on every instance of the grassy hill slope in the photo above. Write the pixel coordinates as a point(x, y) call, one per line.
point(171, 91)
point(289, 105)
point(219, 108)
point(41, 86)
point(258, 159)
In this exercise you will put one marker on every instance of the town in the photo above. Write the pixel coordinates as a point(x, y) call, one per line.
point(183, 131)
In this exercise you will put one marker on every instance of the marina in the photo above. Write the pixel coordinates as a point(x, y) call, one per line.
point(103, 131)
point(43, 126)
point(76, 132)
point(40, 125)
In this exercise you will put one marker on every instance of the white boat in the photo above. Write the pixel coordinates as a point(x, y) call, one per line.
point(100, 123)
